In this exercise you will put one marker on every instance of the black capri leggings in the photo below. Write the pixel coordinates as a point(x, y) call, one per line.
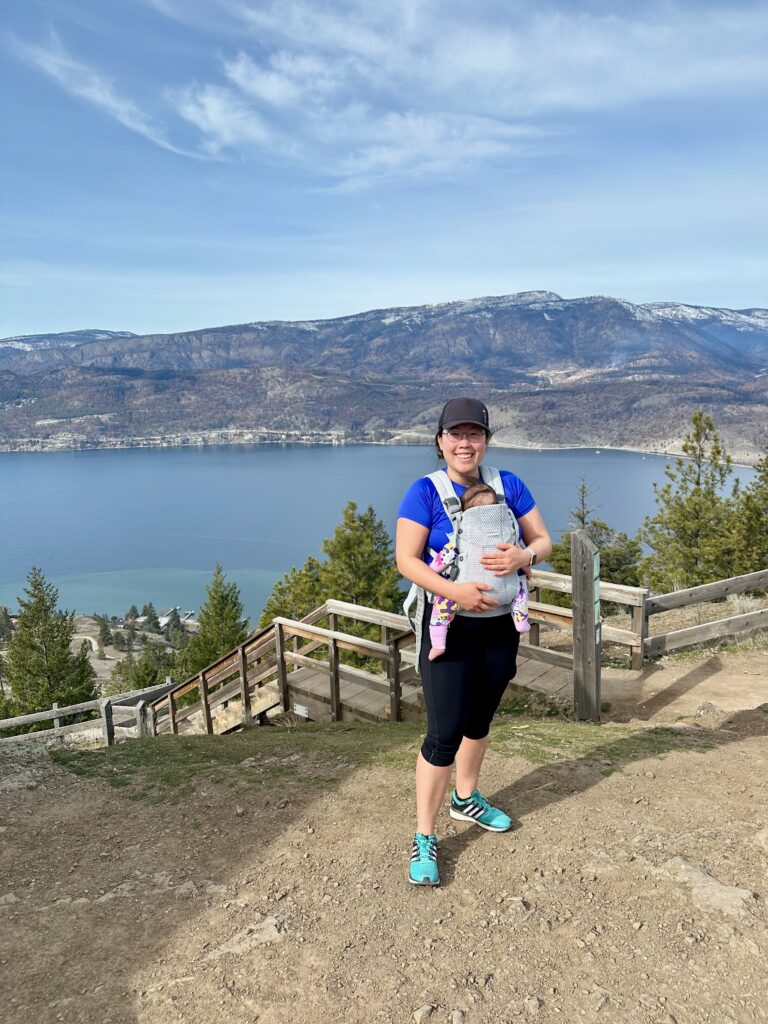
point(463, 687)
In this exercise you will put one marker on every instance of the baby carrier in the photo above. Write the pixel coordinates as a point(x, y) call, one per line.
point(476, 532)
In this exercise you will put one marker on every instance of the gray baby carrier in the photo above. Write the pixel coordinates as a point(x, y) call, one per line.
point(476, 532)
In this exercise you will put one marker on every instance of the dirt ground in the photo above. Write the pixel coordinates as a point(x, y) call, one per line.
point(262, 877)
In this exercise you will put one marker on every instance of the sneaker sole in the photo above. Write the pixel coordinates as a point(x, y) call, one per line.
point(424, 881)
point(466, 817)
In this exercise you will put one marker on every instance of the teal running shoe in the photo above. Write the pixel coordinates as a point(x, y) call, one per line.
point(477, 809)
point(423, 870)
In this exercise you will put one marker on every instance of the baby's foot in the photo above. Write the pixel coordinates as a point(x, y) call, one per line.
point(435, 652)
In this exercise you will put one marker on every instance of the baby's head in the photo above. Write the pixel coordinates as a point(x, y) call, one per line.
point(477, 494)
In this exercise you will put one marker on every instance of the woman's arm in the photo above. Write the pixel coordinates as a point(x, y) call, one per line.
point(509, 558)
point(410, 541)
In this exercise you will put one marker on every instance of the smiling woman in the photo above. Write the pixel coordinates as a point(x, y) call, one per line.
point(464, 684)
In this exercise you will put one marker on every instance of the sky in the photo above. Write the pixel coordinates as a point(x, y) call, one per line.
point(176, 164)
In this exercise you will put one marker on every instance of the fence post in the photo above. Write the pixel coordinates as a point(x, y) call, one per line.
point(57, 720)
point(142, 719)
point(245, 693)
point(203, 687)
point(395, 689)
point(639, 625)
point(107, 723)
point(585, 571)
point(333, 672)
point(172, 714)
point(282, 674)
point(534, 594)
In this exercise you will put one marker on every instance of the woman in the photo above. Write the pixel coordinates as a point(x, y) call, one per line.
point(462, 688)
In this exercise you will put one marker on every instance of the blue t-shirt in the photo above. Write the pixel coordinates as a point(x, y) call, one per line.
point(421, 503)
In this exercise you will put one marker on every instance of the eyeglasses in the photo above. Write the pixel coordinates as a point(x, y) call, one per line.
point(473, 436)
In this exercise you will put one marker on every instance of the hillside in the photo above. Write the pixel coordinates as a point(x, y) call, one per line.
point(593, 371)
point(262, 877)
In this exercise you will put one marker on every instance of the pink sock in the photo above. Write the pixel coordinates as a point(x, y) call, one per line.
point(438, 635)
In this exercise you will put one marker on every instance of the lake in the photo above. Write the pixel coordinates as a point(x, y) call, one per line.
point(118, 527)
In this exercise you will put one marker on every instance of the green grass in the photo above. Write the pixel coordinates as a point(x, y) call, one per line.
point(172, 768)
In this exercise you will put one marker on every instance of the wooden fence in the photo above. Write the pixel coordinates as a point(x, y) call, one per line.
point(673, 641)
point(633, 598)
point(243, 685)
point(120, 711)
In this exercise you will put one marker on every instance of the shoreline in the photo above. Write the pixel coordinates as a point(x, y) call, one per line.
point(30, 446)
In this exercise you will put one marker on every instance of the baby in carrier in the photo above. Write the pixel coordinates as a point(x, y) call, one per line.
point(443, 609)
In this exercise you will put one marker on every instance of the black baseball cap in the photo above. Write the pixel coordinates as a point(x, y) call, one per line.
point(463, 410)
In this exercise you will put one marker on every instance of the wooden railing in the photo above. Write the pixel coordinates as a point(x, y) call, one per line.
point(244, 673)
point(256, 673)
point(254, 677)
point(633, 598)
point(674, 640)
point(119, 711)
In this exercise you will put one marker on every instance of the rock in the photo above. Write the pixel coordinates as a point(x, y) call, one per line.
point(519, 905)
point(761, 838)
point(708, 708)
point(249, 762)
point(8, 899)
point(21, 780)
point(258, 934)
point(708, 892)
point(458, 1017)
point(239, 811)
point(423, 1013)
point(533, 1005)
point(187, 888)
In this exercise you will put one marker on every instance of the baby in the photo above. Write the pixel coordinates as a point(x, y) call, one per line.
point(443, 609)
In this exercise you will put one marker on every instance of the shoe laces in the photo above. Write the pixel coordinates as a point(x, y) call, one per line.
point(478, 798)
point(427, 846)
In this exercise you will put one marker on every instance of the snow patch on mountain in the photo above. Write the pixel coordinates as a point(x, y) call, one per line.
point(741, 320)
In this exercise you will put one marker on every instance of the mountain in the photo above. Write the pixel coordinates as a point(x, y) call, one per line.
point(67, 339)
point(594, 371)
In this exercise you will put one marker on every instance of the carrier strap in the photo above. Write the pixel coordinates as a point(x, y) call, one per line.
point(417, 597)
point(444, 487)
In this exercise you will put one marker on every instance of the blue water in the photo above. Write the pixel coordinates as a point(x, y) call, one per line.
point(119, 527)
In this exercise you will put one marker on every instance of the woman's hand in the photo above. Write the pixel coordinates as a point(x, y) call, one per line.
point(506, 559)
point(472, 597)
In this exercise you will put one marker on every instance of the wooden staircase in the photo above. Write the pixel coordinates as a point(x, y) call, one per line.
point(297, 666)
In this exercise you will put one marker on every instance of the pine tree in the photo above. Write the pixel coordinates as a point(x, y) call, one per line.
point(151, 621)
point(174, 630)
point(105, 633)
point(619, 554)
point(359, 568)
point(360, 565)
point(5, 626)
point(751, 518)
point(691, 537)
point(221, 626)
point(131, 673)
point(296, 594)
point(40, 667)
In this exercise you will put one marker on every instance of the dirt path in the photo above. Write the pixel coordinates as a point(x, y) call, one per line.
point(261, 878)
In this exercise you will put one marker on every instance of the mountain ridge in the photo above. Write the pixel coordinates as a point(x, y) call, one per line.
point(594, 369)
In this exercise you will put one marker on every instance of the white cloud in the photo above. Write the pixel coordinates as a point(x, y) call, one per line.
point(353, 90)
point(222, 117)
point(82, 81)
